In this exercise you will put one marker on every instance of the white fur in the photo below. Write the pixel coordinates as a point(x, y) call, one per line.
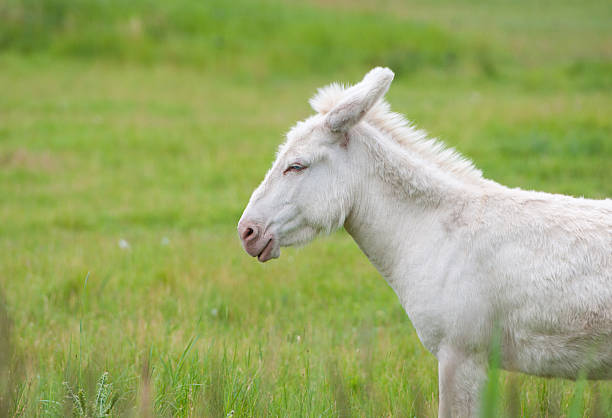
point(468, 258)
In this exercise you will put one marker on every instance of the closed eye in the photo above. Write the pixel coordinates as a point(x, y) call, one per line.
point(297, 167)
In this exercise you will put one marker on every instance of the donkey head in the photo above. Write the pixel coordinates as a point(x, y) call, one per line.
point(310, 186)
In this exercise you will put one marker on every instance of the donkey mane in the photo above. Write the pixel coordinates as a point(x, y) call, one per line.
point(403, 133)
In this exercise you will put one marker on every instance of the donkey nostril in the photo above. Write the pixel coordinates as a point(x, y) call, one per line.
point(249, 233)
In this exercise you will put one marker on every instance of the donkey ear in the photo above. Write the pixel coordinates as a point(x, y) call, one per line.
point(359, 99)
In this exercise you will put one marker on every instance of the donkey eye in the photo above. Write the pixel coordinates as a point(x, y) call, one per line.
point(294, 167)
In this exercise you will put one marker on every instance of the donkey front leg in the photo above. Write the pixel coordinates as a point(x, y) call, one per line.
point(461, 379)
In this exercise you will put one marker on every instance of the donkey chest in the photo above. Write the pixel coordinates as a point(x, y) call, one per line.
point(444, 301)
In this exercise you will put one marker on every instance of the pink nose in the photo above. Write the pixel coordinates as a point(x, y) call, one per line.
point(251, 234)
point(256, 242)
point(248, 232)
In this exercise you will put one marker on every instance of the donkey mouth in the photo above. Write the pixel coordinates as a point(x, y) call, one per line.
point(266, 252)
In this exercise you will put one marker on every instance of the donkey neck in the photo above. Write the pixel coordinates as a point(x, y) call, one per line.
point(401, 205)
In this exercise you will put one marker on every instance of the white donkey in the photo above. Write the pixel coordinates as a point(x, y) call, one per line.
point(468, 258)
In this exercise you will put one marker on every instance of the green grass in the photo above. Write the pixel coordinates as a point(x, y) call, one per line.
point(153, 122)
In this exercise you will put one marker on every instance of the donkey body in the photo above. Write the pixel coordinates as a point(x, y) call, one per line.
point(471, 261)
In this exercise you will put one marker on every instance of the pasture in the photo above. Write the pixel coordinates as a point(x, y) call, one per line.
point(132, 135)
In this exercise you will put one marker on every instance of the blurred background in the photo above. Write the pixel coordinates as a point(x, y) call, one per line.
point(133, 133)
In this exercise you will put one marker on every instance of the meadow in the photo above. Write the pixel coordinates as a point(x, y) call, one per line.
point(132, 135)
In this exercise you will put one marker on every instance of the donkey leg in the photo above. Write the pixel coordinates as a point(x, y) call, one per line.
point(461, 378)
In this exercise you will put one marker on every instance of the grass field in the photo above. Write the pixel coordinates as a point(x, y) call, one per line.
point(132, 134)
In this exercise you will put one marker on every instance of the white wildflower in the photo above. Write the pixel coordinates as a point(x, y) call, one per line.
point(123, 244)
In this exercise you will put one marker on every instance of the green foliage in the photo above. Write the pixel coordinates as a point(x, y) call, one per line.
point(101, 406)
point(221, 35)
point(152, 122)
